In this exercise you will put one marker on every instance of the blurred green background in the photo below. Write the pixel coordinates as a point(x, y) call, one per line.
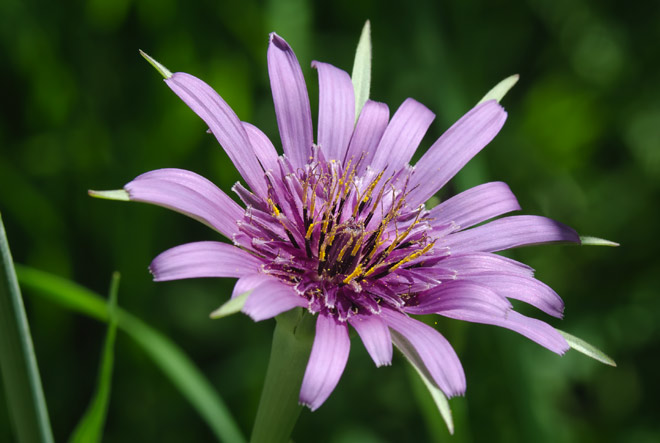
point(81, 110)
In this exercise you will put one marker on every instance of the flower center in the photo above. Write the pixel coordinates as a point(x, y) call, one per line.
point(343, 237)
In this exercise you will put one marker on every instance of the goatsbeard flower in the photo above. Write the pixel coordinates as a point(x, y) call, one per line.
point(339, 227)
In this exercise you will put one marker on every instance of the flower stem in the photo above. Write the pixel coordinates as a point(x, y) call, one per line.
point(278, 407)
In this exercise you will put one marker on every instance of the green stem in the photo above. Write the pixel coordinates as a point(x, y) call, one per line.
point(25, 397)
point(278, 407)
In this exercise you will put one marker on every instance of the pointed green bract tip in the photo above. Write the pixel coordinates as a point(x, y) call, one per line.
point(361, 75)
point(500, 89)
point(595, 241)
point(117, 194)
point(232, 306)
point(589, 350)
point(160, 68)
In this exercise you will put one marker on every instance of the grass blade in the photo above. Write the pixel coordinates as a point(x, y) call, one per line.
point(90, 427)
point(174, 363)
point(25, 397)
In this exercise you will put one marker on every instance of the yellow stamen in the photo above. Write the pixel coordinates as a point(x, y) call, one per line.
point(308, 235)
point(412, 256)
point(352, 275)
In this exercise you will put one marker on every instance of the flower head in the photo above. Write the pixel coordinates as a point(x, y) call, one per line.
point(339, 227)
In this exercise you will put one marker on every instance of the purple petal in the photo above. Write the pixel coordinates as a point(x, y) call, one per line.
point(263, 147)
point(270, 298)
point(402, 136)
point(190, 194)
point(523, 288)
point(369, 130)
point(326, 362)
point(510, 232)
point(536, 330)
point(475, 205)
point(428, 350)
point(477, 262)
point(294, 116)
point(248, 283)
point(224, 124)
point(203, 259)
point(462, 299)
point(375, 337)
point(336, 110)
point(454, 149)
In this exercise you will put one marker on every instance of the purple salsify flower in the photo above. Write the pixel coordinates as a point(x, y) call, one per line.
point(340, 228)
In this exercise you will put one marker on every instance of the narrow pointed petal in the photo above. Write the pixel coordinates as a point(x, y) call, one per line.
point(467, 264)
point(375, 336)
point(326, 362)
point(203, 259)
point(462, 299)
point(454, 149)
point(224, 124)
point(402, 136)
point(428, 350)
point(476, 205)
point(336, 110)
point(294, 116)
point(510, 232)
point(523, 288)
point(270, 298)
point(190, 194)
point(535, 330)
point(368, 132)
point(263, 147)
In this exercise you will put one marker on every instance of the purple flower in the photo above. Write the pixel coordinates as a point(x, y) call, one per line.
point(339, 227)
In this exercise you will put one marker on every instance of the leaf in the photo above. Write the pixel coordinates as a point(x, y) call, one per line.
point(90, 427)
point(169, 358)
point(438, 396)
point(116, 194)
point(232, 306)
point(587, 349)
point(18, 363)
point(500, 89)
point(586, 240)
point(361, 75)
point(160, 68)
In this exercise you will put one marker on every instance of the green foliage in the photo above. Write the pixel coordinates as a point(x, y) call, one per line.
point(165, 354)
point(18, 362)
point(90, 427)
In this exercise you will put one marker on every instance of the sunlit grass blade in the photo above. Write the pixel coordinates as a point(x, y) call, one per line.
point(361, 75)
point(174, 363)
point(90, 427)
point(589, 350)
point(586, 240)
point(18, 363)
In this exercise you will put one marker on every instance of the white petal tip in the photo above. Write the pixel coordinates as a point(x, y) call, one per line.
point(117, 194)
point(595, 241)
point(501, 89)
point(159, 67)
